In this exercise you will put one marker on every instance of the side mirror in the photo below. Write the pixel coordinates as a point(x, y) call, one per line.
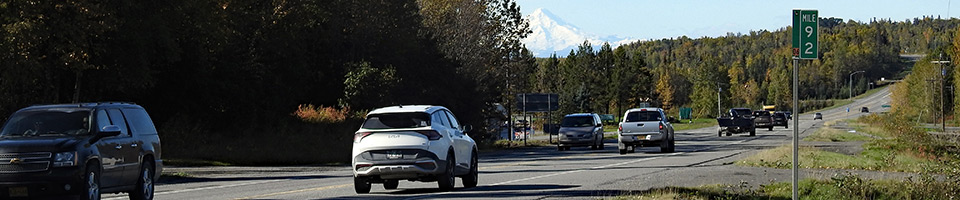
point(106, 131)
point(600, 125)
point(466, 128)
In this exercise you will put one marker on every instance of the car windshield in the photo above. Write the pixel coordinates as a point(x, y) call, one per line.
point(584, 121)
point(396, 120)
point(643, 116)
point(48, 123)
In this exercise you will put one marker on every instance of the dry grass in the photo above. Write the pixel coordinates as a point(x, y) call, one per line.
point(321, 114)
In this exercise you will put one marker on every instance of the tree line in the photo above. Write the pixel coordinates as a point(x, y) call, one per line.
point(231, 73)
point(234, 73)
point(747, 70)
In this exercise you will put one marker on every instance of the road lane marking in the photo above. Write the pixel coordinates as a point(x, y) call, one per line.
point(295, 191)
point(578, 170)
point(205, 188)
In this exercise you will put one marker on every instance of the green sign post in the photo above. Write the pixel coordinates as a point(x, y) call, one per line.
point(805, 31)
point(805, 44)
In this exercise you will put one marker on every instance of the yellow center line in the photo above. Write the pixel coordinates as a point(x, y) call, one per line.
point(296, 191)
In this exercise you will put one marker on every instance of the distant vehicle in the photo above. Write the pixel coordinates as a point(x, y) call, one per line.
point(770, 108)
point(763, 119)
point(642, 127)
point(739, 120)
point(780, 119)
point(81, 149)
point(416, 143)
point(864, 109)
point(817, 116)
point(581, 129)
point(789, 115)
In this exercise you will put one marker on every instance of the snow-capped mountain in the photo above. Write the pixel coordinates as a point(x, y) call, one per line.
point(551, 34)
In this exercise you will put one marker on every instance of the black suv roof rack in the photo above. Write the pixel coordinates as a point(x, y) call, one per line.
point(115, 102)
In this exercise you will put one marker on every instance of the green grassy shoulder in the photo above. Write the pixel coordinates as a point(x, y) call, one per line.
point(882, 154)
point(512, 144)
point(830, 134)
point(696, 124)
point(838, 187)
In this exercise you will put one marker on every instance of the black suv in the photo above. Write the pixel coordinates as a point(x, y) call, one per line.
point(781, 119)
point(79, 149)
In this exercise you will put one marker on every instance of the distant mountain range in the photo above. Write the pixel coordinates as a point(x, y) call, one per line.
point(551, 34)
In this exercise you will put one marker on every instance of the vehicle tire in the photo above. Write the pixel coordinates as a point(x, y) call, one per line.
point(665, 145)
point(447, 180)
point(753, 132)
point(92, 180)
point(559, 148)
point(623, 151)
point(786, 126)
point(470, 180)
point(770, 129)
point(144, 188)
point(719, 133)
point(391, 184)
point(673, 144)
point(600, 146)
point(360, 185)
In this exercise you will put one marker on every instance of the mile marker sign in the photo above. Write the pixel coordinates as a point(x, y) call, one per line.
point(805, 31)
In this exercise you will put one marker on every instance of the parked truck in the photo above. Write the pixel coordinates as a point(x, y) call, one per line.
point(739, 120)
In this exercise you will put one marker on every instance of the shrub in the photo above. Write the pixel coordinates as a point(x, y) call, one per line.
point(321, 114)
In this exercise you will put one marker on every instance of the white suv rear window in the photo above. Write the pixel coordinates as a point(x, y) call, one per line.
point(396, 120)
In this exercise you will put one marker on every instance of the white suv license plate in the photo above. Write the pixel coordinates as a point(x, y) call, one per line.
point(18, 191)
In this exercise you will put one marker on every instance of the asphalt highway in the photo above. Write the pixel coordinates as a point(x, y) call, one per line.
point(701, 158)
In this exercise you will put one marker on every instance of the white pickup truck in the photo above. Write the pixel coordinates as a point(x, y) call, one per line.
point(643, 127)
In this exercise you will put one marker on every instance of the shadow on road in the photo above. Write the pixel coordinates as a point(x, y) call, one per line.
point(551, 191)
point(177, 180)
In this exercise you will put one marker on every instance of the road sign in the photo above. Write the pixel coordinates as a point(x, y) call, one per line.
point(533, 102)
point(805, 32)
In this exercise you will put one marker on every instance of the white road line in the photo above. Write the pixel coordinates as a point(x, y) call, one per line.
point(204, 188)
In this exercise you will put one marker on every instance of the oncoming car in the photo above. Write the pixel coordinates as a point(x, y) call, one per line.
point(581, 129)
point(414, 143)
point(643, 127)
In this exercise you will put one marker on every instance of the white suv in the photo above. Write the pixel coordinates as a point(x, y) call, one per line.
point(415, 143)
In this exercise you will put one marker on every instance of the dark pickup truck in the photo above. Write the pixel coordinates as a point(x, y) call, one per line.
point(740, 120)
point(763, 119)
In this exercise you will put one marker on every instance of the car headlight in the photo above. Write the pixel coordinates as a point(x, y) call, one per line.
point(65, 159)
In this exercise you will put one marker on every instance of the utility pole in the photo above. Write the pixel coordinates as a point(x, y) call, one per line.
point(851, 83)
point(943, 72)
point(718, 98)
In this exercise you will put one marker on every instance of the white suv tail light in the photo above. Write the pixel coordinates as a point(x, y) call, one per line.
point(359, 136)
point(431, 134)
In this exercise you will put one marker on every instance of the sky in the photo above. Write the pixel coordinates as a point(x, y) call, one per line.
point(643, 19)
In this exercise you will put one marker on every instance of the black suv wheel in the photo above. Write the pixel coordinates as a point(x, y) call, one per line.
point(91, 179)
point(144, 187)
